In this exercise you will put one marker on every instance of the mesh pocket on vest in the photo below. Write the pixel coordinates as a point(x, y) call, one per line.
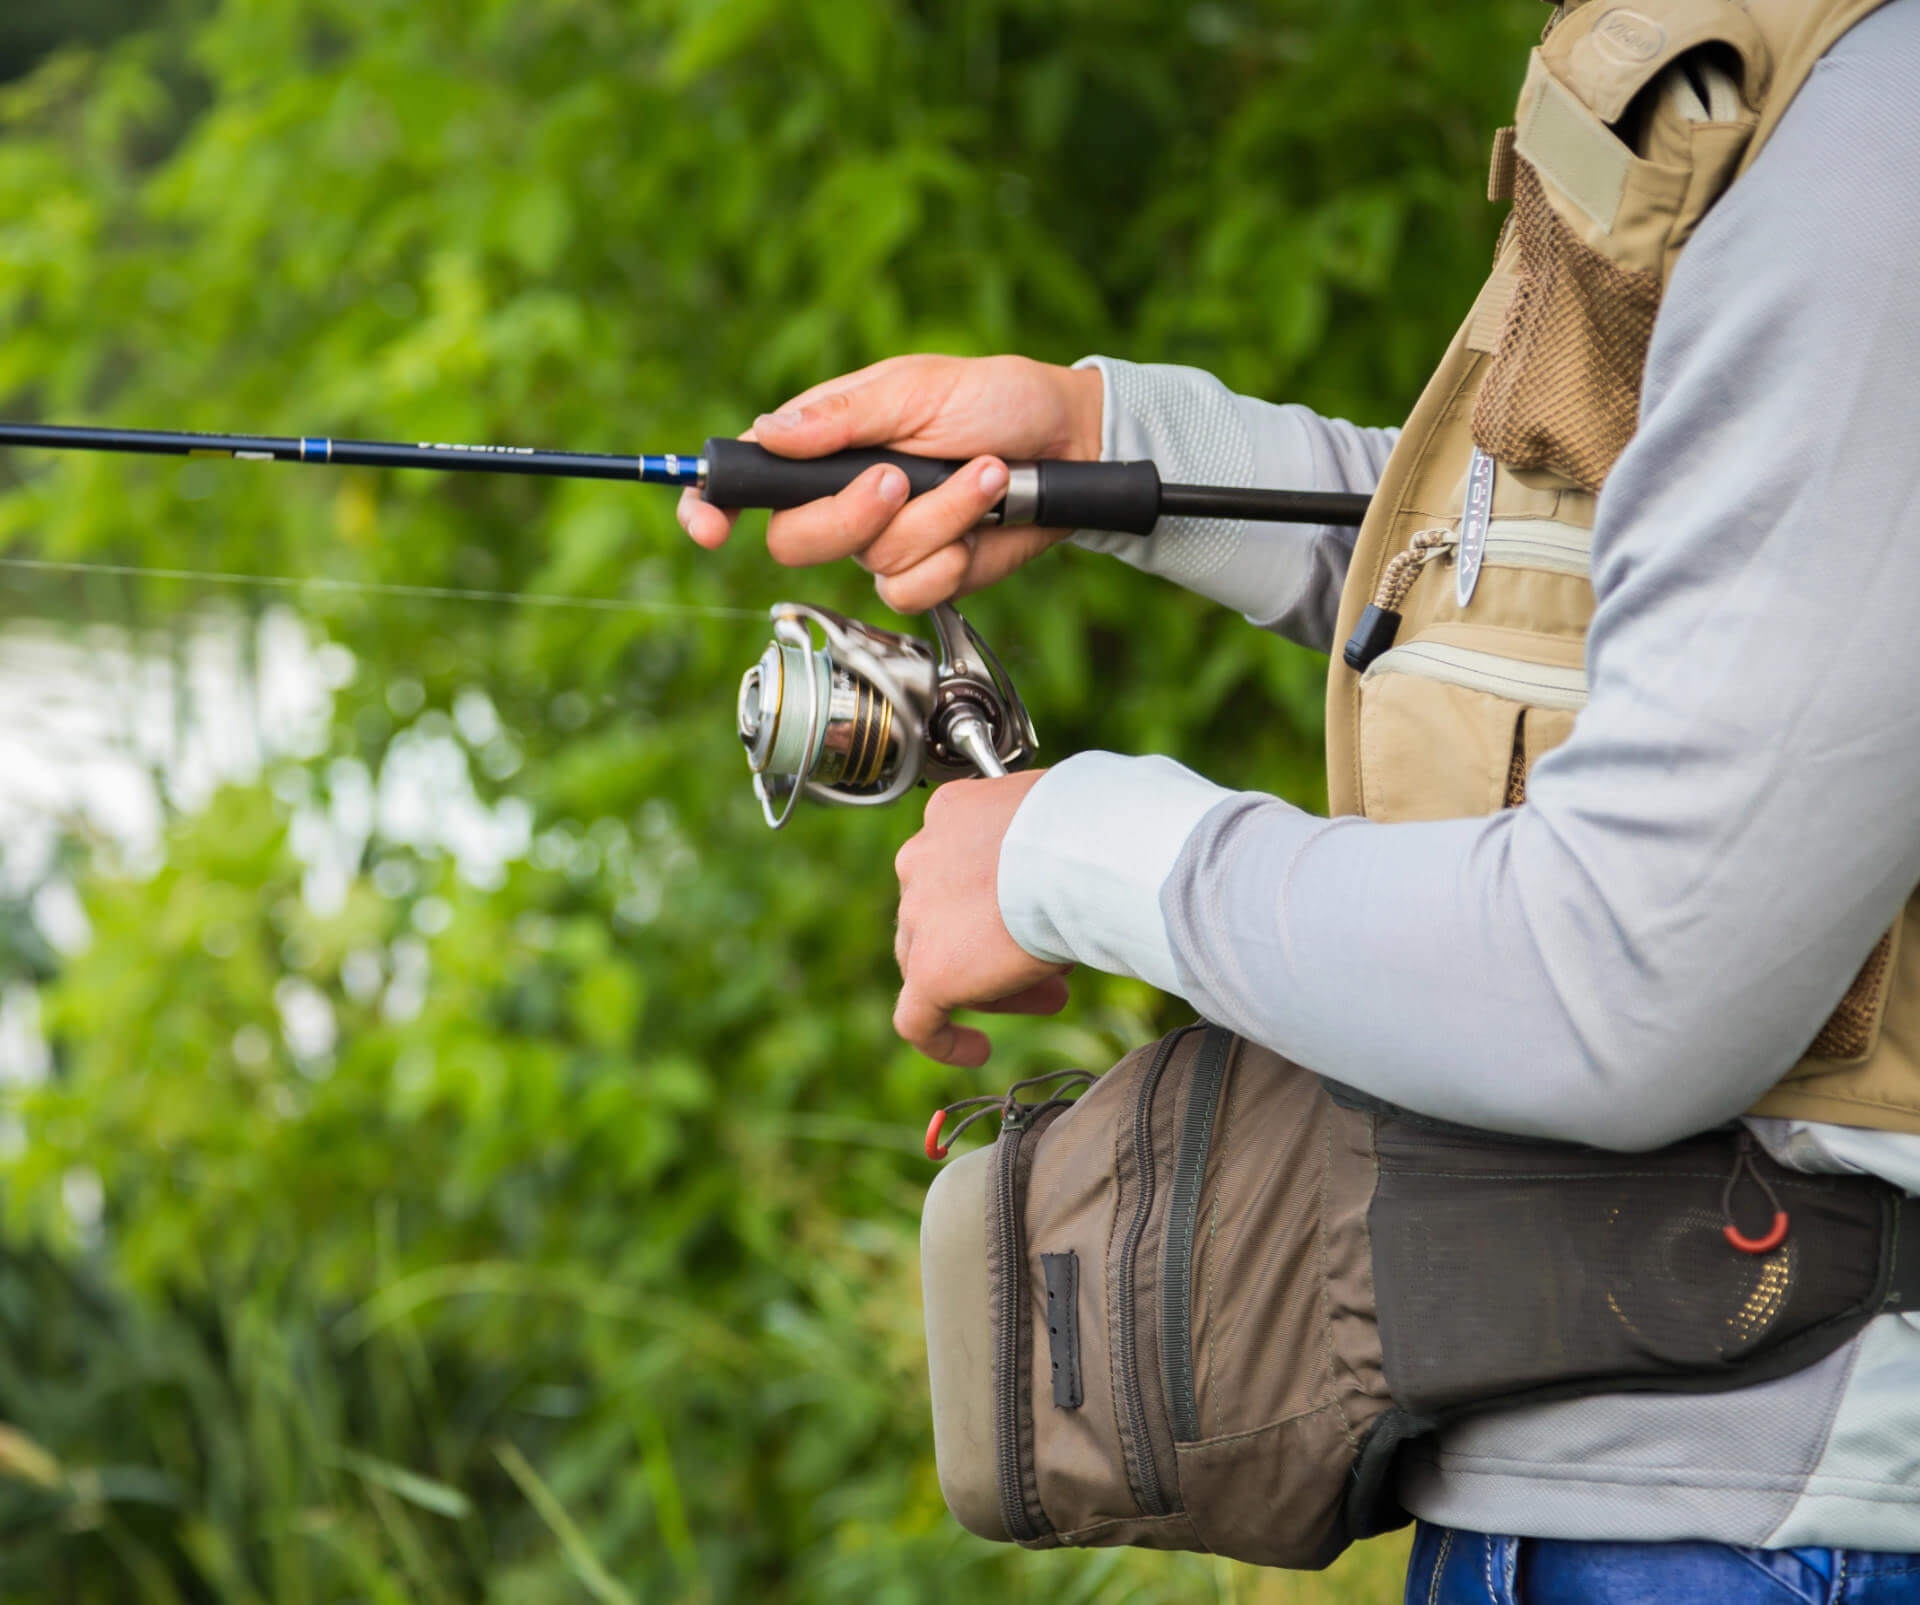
point(1848, 1034)
point(1563, 391)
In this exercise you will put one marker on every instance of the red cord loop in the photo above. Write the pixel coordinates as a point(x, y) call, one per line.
point(1009, 1107)
point(1775, 1234)
point(1759, 1245)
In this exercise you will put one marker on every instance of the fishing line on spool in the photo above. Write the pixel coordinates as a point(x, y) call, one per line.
point(441, 593)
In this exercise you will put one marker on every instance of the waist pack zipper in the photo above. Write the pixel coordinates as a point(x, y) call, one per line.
point(1133, 1403)
point(1017, 1121)
point(1013, 1497)
point(1183, 1220)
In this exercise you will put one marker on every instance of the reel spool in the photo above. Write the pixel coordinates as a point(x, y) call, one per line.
point(866, 714)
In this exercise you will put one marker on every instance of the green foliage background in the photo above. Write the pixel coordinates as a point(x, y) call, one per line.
point(593, 1275)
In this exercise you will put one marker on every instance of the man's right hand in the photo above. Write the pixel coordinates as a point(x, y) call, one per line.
point(988, 410)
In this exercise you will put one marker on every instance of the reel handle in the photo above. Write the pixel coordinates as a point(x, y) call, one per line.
point(1122, 497)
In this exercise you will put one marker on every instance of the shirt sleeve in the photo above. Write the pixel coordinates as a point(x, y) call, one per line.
point(1698, 873)
point(1283, 577)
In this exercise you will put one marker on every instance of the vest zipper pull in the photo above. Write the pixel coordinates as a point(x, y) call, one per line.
point(1380, 620)
point(1371, 636)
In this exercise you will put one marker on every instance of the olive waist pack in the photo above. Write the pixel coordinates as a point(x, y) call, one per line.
point(1204, 1304)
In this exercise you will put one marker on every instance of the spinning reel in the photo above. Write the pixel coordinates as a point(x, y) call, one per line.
point(865, 715)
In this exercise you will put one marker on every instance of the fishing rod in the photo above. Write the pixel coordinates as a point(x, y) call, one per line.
point(836, 710)
point(1127, 498)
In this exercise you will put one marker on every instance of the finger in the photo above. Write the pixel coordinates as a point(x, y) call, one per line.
point(940, 517)
point(890, 402)
point(1043, 997)
point(986, 556)
point(840, 525)
point(936, 579)
point(708, 525)
point(930, 1028)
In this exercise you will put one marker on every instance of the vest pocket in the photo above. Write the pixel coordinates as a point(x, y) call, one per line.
point(1595, 225)
point(1563, 392)
point(1450, 730)
point(1854, 1026)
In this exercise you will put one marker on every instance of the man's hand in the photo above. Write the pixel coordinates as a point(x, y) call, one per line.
point(953, 947)
point(984, 410)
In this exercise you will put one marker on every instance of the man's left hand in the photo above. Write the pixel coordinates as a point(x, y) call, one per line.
point(953, 947)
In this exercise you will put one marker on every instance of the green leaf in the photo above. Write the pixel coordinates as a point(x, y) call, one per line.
point(408, 1485)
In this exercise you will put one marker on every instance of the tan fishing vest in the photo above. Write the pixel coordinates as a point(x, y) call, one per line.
point(1612, 161)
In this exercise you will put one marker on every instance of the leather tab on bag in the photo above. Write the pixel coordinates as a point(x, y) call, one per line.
point(1500, 168)
point(1062, 1272)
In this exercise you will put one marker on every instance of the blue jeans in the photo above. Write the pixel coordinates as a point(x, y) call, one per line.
point(1452, 1567)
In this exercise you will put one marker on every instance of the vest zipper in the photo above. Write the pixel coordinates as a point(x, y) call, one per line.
point(1183, 1219)
point(1539, 543)
point(1133, 1404)
point(1540, 685)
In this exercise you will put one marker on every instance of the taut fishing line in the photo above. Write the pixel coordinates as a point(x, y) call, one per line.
point(444, 593)
point(858, 719)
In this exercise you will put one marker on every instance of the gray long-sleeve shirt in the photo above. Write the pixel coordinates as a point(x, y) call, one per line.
point(1642, 949)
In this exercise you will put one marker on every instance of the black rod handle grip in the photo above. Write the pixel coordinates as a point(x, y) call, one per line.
point(742, 474)
point(1123, 497)
point(1112, 496)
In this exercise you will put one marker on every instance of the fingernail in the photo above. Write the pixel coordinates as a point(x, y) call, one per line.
point(993, 479)
point(785, 418)
point(893, 485)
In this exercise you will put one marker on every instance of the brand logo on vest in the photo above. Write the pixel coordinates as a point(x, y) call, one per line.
point(1474, 516)
point(1629, 37)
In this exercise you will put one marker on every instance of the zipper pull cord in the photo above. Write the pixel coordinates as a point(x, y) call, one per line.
point(1380, 621)
point(1008, 1104)
point(1776, 1234)
point(1398, 579)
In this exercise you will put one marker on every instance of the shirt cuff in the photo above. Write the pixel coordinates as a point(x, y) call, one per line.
point(1083, 862)
point(1185, 423)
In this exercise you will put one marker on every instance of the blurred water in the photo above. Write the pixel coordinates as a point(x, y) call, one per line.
point(106, 734)
point(102, 733)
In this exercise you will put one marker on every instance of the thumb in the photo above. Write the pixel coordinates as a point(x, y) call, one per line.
point(869, 413)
